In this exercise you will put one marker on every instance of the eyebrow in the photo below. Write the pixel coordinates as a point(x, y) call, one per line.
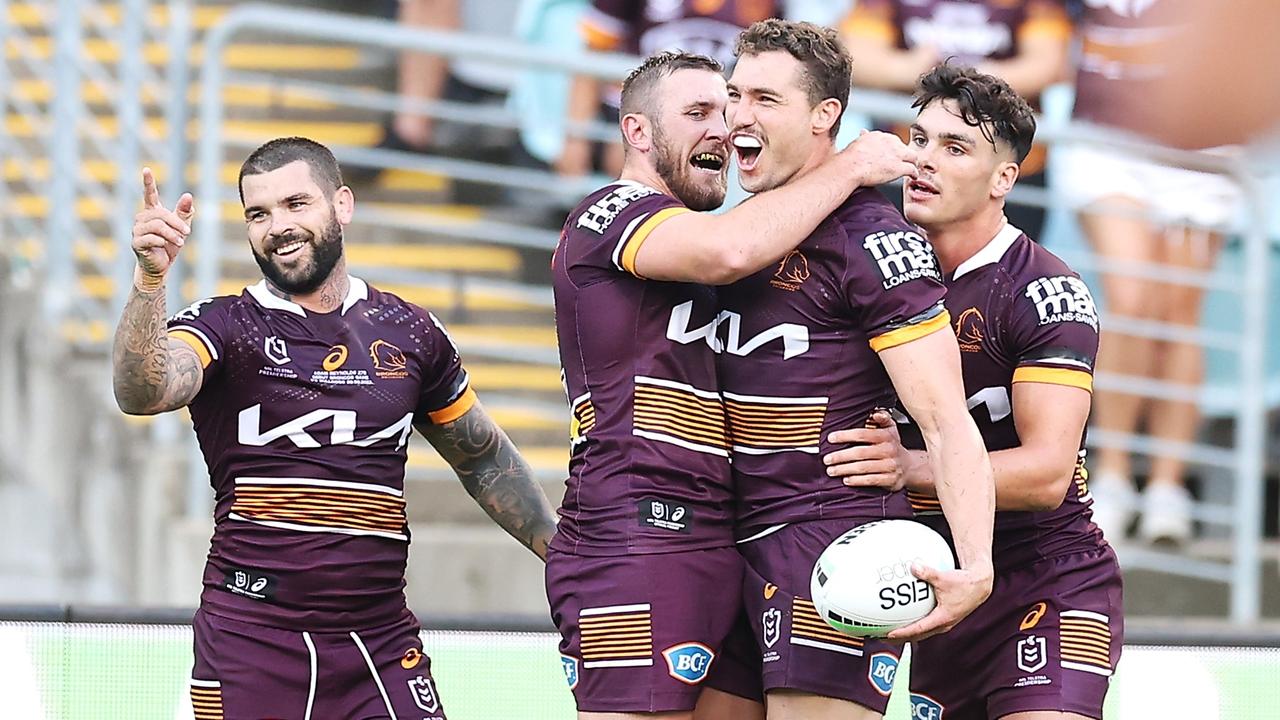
point(700, 105)
point(954, 137)
point(292, 198)
point(756, 90)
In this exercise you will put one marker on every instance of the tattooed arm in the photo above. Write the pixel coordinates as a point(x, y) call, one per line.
point(151, 372)
point(492, 471)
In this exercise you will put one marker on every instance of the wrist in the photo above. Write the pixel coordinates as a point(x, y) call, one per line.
point(145, 282)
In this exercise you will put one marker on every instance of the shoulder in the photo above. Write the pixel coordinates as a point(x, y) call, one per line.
point(1027, 260)
point(868, 210)
point(207, 309)
point(600, 211)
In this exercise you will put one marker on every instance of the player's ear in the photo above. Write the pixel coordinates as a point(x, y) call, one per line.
point(344, 204)
point(1003, 178)
point(825, 115)
point(637, 131)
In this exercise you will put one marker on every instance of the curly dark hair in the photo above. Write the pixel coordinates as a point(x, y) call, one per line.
point(827, 67)
point(985, 102)
point(638, 94)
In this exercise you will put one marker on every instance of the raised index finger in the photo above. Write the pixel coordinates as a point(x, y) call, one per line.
point(150, 195)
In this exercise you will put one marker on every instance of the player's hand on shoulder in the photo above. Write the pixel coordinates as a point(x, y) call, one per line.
point(959, 592)
point(159, 233)
point(876, 158)
point(870, 456)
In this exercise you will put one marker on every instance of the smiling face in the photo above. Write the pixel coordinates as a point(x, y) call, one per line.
point(774, 129)
point(688, 138)
point(961, 172)
point(295, 227)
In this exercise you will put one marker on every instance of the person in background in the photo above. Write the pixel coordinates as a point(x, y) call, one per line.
point(1024, 42)
point(1137, 213)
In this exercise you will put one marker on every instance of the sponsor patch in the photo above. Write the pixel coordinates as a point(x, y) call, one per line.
point(192, 311)
point(665, 515)
point(902, 256)
point(569, 664)
point(1033, 616)
point(604, 211)
point(924, 707)
point(249, 583)
point(411, 658)
point(689, 662)
point(1062, 299)
point(884, 666)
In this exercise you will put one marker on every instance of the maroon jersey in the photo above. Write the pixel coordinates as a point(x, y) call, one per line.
point(649, 469)
point(1021, 315)
point(967, 31)
point(1120, 56)
point(643, 27)
point(797, 345)
point(303, 420)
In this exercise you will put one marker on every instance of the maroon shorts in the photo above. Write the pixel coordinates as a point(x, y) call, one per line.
point(252, 672)
point(785, 640)
point(639, 633)
point(1048, 639)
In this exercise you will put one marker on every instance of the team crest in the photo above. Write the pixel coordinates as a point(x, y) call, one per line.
point(792, 272)
point(970, 330)
point(884, 666)
point(689, 662)
point(771, 622)
point(424, 695)
point(388, 360)
point(277, 352)
point(570, 666)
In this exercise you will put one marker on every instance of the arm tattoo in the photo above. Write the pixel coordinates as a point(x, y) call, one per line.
point(151, 372)
point(492, 471)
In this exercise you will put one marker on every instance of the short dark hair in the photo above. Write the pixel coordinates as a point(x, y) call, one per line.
point(985, 102)
point(827, 67)
point(638, 94)
point(277, 153)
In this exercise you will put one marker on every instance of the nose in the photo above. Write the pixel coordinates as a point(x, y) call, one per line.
point(281, 224)
point(740, 114)
point(717, 129)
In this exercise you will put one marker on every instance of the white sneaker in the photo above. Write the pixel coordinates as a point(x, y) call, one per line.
point(1166, 514)
point(1114, 504)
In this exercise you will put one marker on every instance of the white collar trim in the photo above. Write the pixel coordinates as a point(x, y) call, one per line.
point(357, 290)
point(991, 252)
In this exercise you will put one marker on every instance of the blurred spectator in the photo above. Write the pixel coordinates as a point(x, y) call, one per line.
point(1025, 42)
point(422, 76)
point(642, 27)
point(1136, 212)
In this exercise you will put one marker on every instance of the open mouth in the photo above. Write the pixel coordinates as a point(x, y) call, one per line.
point(921, 189)
point(748, 148)
point(288, 249)
point(708, 161)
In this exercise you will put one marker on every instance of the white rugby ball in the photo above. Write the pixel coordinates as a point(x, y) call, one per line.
point(862, 583)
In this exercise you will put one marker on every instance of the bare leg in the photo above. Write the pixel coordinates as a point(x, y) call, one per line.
point(635, 716)
point(422, 75)
point(791, 705)
point(1043, 715)
point(716, 705)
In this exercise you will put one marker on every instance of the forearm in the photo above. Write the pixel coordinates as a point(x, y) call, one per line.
point(143, 376)
point(965, 487)
point(1026, 478)
point(491, 469)
point(584, 104)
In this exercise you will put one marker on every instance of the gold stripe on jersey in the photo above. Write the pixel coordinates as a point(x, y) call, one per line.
point(583, 419)
point(808, 628)
point(1085, 639)
point(190, 338)
point(455, 409)
point(206, 700)
point(631, 245)
point(922, 504)
point(1054, 376)
point(763, 424)
point(616, 636)
point(906, 334)
point(679, 414)
point(312, 505)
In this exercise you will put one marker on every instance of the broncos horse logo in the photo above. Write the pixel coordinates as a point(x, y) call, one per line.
point(388, 360)
point(792, 271)
point(971, 329)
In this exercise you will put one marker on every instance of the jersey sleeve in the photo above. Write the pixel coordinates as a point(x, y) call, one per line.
point(605, 24)
point(892, 282)
point(1054, 331)
point(608, 233)
point(446, 388)
point(871, 19)
point(203, 326)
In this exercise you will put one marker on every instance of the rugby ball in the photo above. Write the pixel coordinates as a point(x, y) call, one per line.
point(862, 583)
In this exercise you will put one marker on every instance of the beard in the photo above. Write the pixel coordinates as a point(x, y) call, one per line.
point(679, 176)
point(312, 273)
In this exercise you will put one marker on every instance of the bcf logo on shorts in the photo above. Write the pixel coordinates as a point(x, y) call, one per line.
point(883, 667)
point(689, 662)
point(924, 707)
point(570, 667)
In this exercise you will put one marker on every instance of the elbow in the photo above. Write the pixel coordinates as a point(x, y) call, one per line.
point(727, 266)
point(130, 403)
point(1048, 496)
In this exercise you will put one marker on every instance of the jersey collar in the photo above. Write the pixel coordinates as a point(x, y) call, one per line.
point(991, 252)
point(357, 290)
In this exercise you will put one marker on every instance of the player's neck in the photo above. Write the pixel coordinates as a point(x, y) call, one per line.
point(324, 299)
point(821, 153)
point(643, 173)
point(958, 241)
